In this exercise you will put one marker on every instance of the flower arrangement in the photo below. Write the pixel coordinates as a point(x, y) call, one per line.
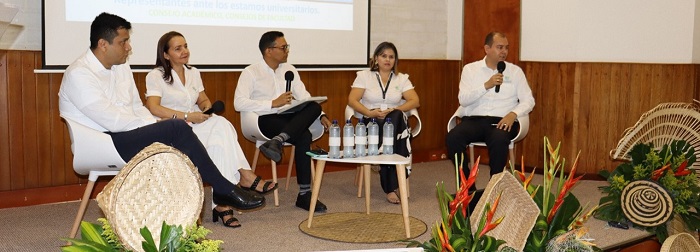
point(453, 232)
point(558, 215)
point(667, 168)
point(172, 238)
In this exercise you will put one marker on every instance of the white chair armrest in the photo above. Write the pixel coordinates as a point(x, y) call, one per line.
point(249, 127)
point(524, 127)
point(92, 149)
point(452, 123)
point(349, 112)
point(316, 129)
point(416, 130)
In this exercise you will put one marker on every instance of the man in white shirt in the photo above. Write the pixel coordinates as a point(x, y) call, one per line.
point(491, 113)
point(98, 91)
point(262, 89)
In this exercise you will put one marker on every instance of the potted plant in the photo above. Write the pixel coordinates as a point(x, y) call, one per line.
point(453, 232)
point(561, 215)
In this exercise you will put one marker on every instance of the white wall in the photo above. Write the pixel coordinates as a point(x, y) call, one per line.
point(639, 31)
point(420, 29)
point(24, 32)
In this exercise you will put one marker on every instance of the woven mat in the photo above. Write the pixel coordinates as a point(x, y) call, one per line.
point(362, 228)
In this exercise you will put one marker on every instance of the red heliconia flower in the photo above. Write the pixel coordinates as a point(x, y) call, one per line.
point(462, 197)
point(570, 182)
point(521, 173)
point(445, 239)
point(489, 216)
point(491, 226)
point(560, 199)
point(682, 171)
point(656, 174)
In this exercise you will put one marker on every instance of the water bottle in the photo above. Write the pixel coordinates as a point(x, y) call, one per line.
point(373, 137)
point(334, 140)
point(360, 139)
point(348, 139)
point(388, 141)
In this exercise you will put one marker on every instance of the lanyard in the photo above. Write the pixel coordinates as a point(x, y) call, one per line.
point(384, 90)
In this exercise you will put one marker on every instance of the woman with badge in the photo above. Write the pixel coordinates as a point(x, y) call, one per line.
point(383, 93)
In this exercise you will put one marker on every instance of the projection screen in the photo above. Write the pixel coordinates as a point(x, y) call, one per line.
point(219, 33)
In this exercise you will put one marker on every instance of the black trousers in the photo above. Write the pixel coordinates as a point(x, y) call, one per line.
point(296, 125)
point(178, 134)
point(402, 146)
point(481, 129)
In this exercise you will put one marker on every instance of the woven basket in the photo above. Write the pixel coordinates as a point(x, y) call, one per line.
point(661, 125)
point(158, 184)
point(682, 242)
point(678, 226)
point(516, 205)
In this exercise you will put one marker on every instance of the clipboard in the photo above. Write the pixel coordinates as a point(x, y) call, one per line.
point(300, 104)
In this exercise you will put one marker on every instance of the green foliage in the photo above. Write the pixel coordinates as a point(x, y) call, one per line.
point(172, 238)
point(648, 163)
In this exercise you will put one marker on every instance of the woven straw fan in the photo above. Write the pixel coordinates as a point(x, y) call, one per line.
point(682, 242)
point(661, 125)
point(159, 184)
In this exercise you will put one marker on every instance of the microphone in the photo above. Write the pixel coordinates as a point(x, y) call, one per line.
point(289, 77)
point(500, 67)
point(216, 107)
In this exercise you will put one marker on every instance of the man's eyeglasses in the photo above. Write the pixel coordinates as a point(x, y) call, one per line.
point(283, 48)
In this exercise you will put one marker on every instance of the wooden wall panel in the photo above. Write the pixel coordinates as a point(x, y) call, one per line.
point(5, 177)
point(15, 123)
point(587, 106)
point(484, 16)
point(35, 155)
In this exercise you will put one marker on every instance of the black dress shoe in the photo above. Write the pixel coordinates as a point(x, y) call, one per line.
point(239, 199)
point(272, 149)
point(304, 202)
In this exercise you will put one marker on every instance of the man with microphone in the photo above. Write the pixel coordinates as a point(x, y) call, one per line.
point(269, 84)
point(494, 93)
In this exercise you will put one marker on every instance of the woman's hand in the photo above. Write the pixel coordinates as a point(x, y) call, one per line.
point(197, 117)
point(379, 114)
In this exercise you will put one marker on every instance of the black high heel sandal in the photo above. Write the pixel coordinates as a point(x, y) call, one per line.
point(216, 215)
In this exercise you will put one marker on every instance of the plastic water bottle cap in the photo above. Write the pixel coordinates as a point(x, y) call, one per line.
point(335, 121)
point(388, 120)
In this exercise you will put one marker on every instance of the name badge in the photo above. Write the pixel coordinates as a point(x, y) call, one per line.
point(383, 107)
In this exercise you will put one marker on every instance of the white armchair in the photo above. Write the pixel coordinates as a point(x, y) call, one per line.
point(251, 131)
point(524, 121)
point(94, 154)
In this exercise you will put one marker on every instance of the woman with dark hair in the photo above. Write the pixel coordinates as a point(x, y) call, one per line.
point(382, 92)
point(175, 90)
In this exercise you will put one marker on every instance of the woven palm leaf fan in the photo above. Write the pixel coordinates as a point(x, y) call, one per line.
point(159, 184)
point(660, 126)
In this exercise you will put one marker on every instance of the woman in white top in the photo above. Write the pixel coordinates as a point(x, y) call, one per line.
point(382, 92)
point(175, 90)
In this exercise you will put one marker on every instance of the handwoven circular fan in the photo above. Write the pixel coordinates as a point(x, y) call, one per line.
point(660, 126)
point(646, 203)
point(159, 184)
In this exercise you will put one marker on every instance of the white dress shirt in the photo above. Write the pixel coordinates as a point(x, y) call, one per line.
point(514, 96)
point(258, 85)
point(102, 99)
point(176, 96)
point(373, 96)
